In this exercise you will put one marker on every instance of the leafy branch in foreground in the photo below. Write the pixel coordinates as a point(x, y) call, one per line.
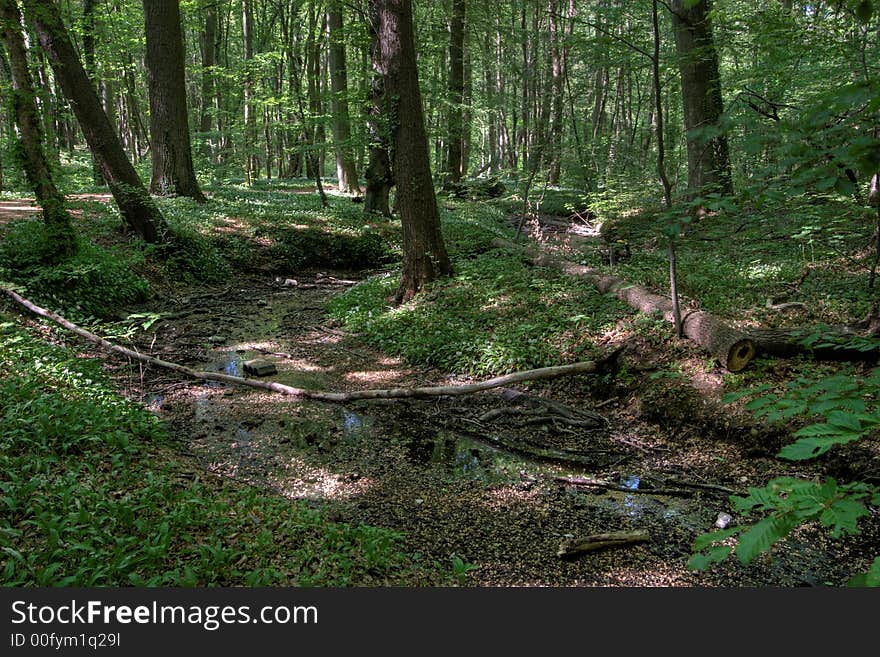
point(849, 410)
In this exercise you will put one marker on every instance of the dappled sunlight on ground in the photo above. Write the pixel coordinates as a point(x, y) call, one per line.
point(375, 377)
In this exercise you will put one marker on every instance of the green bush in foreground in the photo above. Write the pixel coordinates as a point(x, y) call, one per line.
point(92, 494)
point(847, 409)
point(93, 282)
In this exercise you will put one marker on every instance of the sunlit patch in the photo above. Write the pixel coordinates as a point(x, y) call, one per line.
point(303, 480)
point(503, 498)
point(385, 360)
point(374, 376)
point(763, 270)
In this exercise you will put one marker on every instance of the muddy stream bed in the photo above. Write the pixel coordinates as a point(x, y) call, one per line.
point(453, 484)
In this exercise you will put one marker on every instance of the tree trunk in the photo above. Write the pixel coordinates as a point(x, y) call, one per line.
point(731, 347)
point(378, 174)
point(207, 43)
point(708, 157)
point(346, 174)
point(137, 208)
point(251, 170)
point(62, 240)
point(424, 253)
point(555, 136)
point(173, 170)
point(88, 40)
point(452, 168)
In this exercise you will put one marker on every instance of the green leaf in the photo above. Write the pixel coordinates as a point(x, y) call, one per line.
point(705, 540)
point(761, 536)
point(870, 578)
point(703, 561)
point(806, 448)
point(843, 516)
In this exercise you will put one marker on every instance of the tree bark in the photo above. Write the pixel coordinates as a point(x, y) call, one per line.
point(207, 44)
point(554, 137)
point(455, 123)
point(708, 157)
point(137, 208)
point(251, 170)
point(62, 240)
point(173, 170)
point(732, 348)
point(346, 174)
point(424, 253)
point(88, 40)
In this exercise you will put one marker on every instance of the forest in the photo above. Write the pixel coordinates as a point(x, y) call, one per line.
point(365, 293)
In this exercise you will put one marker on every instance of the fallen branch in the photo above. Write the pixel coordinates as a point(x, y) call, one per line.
point(585, 367)
point(731, 347)
point(607, 485)
point(574, 546)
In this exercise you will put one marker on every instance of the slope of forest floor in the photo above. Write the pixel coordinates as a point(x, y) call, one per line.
point(475, 486)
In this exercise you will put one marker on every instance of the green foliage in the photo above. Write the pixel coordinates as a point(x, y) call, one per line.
point(92, 494)
point(312, 247)
point(93, 282)
point(495, 315)
point(848, 406)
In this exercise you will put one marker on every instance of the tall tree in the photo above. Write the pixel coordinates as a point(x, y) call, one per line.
point(378, 173)
point(251, 168)
point(424, 253)
point(62, 241)
point(207, 44)
point(88, 41)
point(453, 165)
point(173, 172)
point(707, 152)
point(346, 174)
point(137, 208)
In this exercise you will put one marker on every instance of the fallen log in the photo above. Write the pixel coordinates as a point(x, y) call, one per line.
point(574, 546)
point(608, 485)
point(833, 343)
point(584, 367)
point(732, 348)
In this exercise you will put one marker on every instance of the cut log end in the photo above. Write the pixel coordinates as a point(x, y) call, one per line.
point(739, 355)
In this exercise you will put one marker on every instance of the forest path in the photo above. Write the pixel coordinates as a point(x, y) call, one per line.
point(19, 208)
point(428, 468)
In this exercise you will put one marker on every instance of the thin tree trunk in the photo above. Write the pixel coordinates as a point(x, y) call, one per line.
point(88, 40)
point(346, 173)
point(452, 167)
point(251, 170)
point(209, 36)
point(555, 135)
point(378, 175)
point(661, 171)
point(137, 208)
point(61, 237)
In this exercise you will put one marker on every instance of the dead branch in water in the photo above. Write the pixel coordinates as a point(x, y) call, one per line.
point(585, 367)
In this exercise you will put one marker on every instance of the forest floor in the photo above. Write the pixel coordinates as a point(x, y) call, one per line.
point(482, 486)
point(447, 480)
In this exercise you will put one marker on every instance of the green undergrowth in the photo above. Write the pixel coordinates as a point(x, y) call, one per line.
point(93, 282)
point(495, 315)
point(92, 493)
point(812, 250)
point(238, 229)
